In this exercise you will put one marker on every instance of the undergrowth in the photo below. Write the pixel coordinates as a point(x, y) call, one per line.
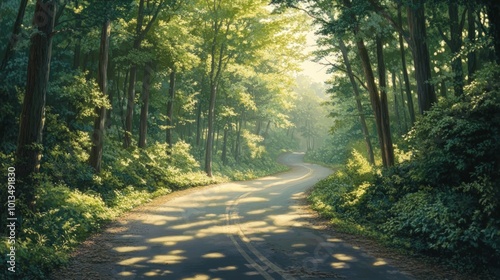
point(73, 202)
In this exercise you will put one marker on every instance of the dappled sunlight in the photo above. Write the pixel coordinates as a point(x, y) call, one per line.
point(167, 259)
point(194, 224)
point(229, 232)
point(157, 272)
point(339, 265)
point(126, 249)
point(132, 261)
point(252, 199)
point(198, 277)
point(226, 268)
point(344, 257)
point(334, 240)
point(379, 262)
point(214, 255)
point(170, 240)
point(257, 212)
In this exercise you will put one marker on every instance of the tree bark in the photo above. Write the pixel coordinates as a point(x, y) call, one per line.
point(409, 97)
point(14, 37)
point(95, 158)
point(471, 35)
point(127, 140)
point(493, 10)
point(29, 145)
point(170, 110)
point(396, 103)
point(416, 23)
point(224, 147)
point(388, 150)
point(143, 124)
point(359, 105)
point(455, 47)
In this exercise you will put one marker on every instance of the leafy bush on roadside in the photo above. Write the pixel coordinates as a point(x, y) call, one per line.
point(444, 198)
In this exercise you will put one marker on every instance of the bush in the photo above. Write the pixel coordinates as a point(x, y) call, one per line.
point(443, 198)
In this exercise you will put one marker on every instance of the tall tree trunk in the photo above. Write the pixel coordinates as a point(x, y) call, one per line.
point(143, 124)
point(14, 37)
point(224, 146)
point(471, 35)
point(359, 105)
point(493, 10)
point(198, 124)
point(396, 103)
point(95, 158)
point(215, 74)
point(78, 45)
point(388, 157)
point(170, 110)
point(266, 132)
point(409, 97)
point(455, 47)
point(379, 110)
point(127, 140)
point(421, 59)
point(401, 92)
point(210, 125)
point(237, 147)
point(29, 145)
point(132, 78)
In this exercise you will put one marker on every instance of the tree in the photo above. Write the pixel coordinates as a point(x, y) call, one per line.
point(416, 24)
point(359, 106)
point(29, 145)
point(16, 30)
point(141, 30)
point(99, 123)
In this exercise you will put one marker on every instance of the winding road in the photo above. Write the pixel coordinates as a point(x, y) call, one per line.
point(241, 230)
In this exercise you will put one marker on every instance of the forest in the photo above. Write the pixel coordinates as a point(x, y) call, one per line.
point(109, 104)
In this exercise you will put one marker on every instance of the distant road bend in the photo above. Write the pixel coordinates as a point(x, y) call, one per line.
point(234, 231)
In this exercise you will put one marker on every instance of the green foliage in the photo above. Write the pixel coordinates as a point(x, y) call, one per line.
point(443, 198)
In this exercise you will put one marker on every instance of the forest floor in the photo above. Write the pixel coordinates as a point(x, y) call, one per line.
point(110, 253)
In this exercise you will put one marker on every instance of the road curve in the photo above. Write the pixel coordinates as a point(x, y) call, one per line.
point(234, 231)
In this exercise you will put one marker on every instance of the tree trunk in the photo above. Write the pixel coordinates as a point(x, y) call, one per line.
point(416, 23)
point(170, 110)
point(266, 132)
point(388, 156)
point(215, 74)
point(401, 92)
point(95, 158)
point(132, 78)
point(471, 35)
point(374, 98)
point(78, 45)
point(409, 97)
point(14, 37)
point(29, 145)
point(224, 147)
point(396, 103)
point(237, 147)
point(359, 105)
point(143, 125)
point(455, 47)
point(210, 139)
point(493, 10)
point(127, 140)
point(198, 124)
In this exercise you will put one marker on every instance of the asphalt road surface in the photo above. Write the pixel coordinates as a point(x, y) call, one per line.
point(235, 231)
